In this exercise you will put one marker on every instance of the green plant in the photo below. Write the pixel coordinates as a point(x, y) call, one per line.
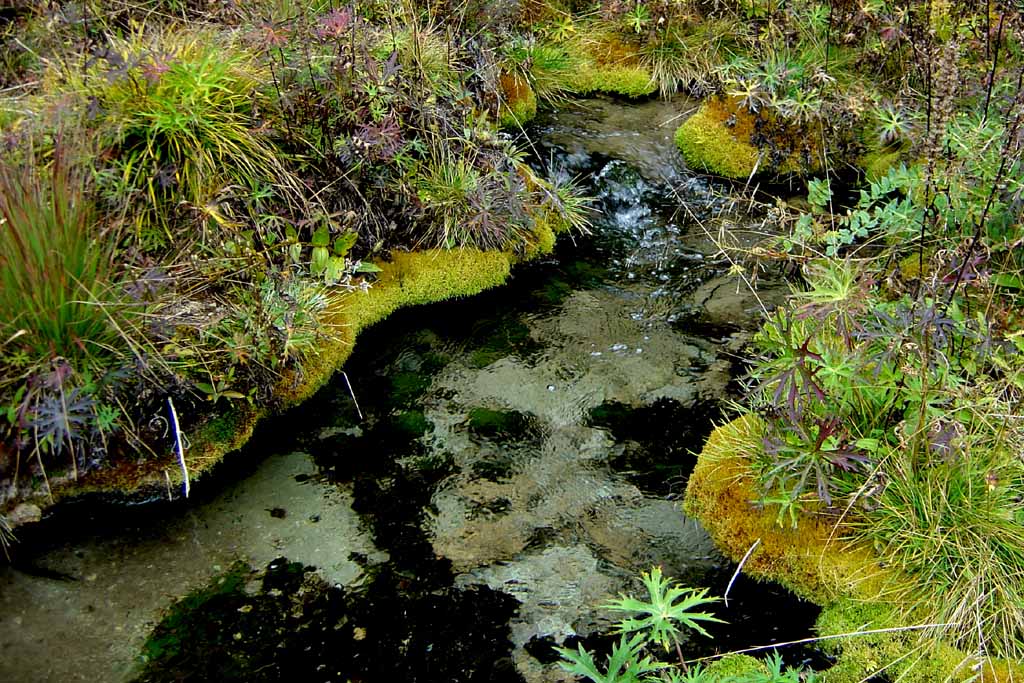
point(468, 205)
point(671, 60)
point(176, 111)
point(775, 672)
point(217, 389)
point(546, 67)
point(561, 199)
point(956, 525)
point(894, 125)
point(58, 295)
point(637, 17)
point(659, 621)
point(423, 50)
point(668, 608)
point(626, 664)
point(887, 385)
point(274, 324)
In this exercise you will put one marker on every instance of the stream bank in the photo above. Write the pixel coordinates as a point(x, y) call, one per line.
point(513, 462)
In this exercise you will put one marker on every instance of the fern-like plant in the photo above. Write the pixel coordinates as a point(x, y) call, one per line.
point(626, 664)
point(659, 619)
point(668, 609)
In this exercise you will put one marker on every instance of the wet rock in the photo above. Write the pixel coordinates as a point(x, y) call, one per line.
point(728, 304)
point(555, 588)
point(24, 514)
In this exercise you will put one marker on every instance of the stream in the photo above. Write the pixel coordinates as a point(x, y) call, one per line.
point(514, 461)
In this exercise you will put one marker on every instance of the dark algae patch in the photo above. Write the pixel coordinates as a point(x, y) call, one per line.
point(405, 622)
point(659, 440)
point(222, 632)
point(503, 426)
point(500, 338)
point(287, 624)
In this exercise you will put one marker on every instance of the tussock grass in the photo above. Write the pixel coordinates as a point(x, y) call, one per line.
point(957, 528)
point(56, 268)
point(177, 111)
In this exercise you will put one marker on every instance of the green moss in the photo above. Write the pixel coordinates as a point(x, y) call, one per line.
point(485, 420)
point(734, 665)
point(412, 423)
point(425, 277)
point(410, 278)
point(543, 236)
point(407, 386)
point(506, 338)
point(604, 64)
point(876, 163)
point(708, 144)
point(902, 654)
point(186, 618)
point(717, 139)
point(910, 265)
point(519, 102)
point(501, 425)
point(626, 80)
point(807, 560)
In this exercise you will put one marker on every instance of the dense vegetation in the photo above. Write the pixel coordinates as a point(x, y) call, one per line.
point(187, 193)
point(189, 189)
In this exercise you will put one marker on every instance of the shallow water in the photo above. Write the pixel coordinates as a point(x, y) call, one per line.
point(515, 460)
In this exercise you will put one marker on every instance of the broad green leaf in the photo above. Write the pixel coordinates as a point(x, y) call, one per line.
point(366, 267)
point(1008, 280)
point(344, 243)
point(319, 261)
point(321, 237)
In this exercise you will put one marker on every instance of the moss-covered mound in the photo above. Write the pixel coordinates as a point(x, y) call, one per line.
point(717, 139)
point(606, 65)
point(734, 666)
point(708, 141)
point(519, 102)
point(409, 278)
point(815, 562)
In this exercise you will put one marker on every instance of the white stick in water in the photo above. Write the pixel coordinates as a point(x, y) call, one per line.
point(177, 440)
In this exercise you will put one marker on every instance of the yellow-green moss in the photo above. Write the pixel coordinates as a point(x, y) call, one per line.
point(734, 665)
point(519, 102)
point(807, 560)
point(717, 139)
point(903, 655)
point(876, 163)
point(627, 80)
point(542, 238)
point(606, 65)
point(910, 265)
point(410, 278)
point(707, 143)
point(816, 563)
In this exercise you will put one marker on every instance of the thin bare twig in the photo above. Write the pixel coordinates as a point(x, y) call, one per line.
point(739, 567)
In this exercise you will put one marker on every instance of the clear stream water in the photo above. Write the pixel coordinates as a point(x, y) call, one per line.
point(514, 462)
